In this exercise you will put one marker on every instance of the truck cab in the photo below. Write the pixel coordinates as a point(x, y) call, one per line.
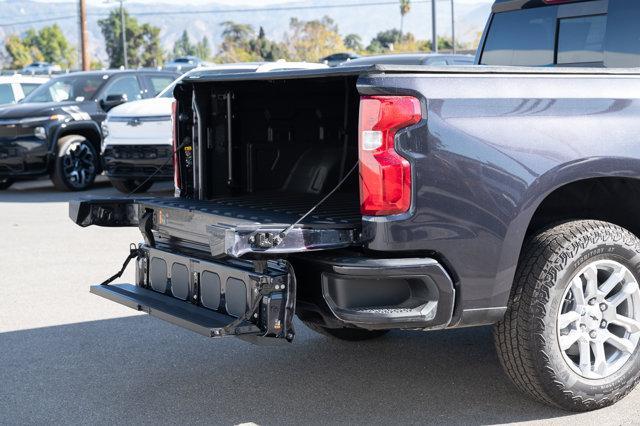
point(562, 33)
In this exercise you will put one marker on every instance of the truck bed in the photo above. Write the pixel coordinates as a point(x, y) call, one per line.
point(340, 210)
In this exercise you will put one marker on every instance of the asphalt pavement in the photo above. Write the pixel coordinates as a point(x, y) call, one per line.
point(69, 357)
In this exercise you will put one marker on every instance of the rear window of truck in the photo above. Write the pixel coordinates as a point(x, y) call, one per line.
point(521, 38)
point(573, 34)
point(581, 40)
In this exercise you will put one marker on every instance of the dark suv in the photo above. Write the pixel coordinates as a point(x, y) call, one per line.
point(56, 129)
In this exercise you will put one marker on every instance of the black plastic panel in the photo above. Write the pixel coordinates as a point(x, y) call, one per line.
point(210, 289)
point(236, 297)
point(179, 281)
point(158, 275)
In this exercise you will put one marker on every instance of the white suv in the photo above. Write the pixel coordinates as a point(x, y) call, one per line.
point(14, 88)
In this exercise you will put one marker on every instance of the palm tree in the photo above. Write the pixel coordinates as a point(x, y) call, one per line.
point(405, 7)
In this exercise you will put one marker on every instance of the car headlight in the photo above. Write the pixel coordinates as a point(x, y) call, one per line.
point(34, 120)
point(105, 129)
point(40, 133)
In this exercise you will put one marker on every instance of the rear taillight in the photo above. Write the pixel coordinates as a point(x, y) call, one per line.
point(174, 135)
point(385, 176)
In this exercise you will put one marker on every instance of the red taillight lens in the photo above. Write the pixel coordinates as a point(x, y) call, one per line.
point(385, 176)
point(176, 162)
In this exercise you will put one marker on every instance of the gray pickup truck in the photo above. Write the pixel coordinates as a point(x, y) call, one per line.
point(366, 199)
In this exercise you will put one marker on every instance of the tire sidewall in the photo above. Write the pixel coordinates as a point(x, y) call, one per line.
point(5, 183)
point(129, 186)
point(605, 243)
point(63, 146)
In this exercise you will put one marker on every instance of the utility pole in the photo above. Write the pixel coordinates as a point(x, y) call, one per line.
point(453, 27)
point(434, 30)
point(122, 30)
point(124, 35)
point(84, 37)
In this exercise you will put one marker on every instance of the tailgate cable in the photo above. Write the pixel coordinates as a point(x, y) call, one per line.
point(159, 168)
point(288, 229)
point(134, 251)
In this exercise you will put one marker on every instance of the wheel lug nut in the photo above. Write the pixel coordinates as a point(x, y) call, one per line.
point(603, 324)
point(592, 301)
point(583, 327)
point(593, 334)
point(603, 307)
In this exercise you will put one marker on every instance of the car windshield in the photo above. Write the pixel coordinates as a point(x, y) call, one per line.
point(68, 88)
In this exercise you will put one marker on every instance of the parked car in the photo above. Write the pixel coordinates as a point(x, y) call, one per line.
point(338, 58)
point(137, 147)
point(55, 130)
point(184, 64)
point(381, 197)
point(412, 59)
point(14, 88)
point(44, 68)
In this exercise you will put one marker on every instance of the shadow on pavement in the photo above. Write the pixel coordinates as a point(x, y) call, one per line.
point(42, 191)
point(138, 370)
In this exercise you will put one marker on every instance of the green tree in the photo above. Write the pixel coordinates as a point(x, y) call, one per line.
point(266, 49)
point(143, 41)
point(183, 46)
point(236, 43)
point(96, 64)
point(20, 54)
point(49, 44)
point(202, 49)
point(385, 41)
point(405, 7)
point(353, 42)
point(52, 44)
point(239, 34)
point(151, 52)
point(312, 40)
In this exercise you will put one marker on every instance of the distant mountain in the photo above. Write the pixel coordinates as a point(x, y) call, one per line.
point(16, 16)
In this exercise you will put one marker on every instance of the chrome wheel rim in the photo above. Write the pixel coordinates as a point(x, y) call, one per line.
point(598, 323)
point(78, 164)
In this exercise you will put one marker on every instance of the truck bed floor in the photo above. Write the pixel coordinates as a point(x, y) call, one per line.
point(341, 209)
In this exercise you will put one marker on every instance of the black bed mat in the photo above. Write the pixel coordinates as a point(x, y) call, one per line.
point(341, 209)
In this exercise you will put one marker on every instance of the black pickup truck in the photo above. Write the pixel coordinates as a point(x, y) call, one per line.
point(366, 199)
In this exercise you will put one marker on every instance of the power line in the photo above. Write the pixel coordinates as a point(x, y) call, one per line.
point(222, 11)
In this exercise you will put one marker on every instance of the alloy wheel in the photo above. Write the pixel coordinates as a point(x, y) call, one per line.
point(598, 322)
point(78, 164)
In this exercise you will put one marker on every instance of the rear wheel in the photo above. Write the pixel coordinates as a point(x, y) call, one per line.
point(571, 331)
point(348, 334)
point(129, 186)
point(76, 164)
point(5, 183)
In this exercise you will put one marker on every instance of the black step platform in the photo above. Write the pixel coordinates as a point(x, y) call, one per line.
point(200, 320)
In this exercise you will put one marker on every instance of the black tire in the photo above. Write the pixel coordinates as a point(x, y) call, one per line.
point(348, 334)
point(131, 186)
point(527, 339)
point(76, 164)
point(5, 183)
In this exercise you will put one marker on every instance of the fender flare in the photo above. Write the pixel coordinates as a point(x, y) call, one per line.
point(71, 127)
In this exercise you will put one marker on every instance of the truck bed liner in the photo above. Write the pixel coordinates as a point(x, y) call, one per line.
point(277, 208)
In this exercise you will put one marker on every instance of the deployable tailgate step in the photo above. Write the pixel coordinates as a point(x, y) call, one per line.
point(205, 322)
